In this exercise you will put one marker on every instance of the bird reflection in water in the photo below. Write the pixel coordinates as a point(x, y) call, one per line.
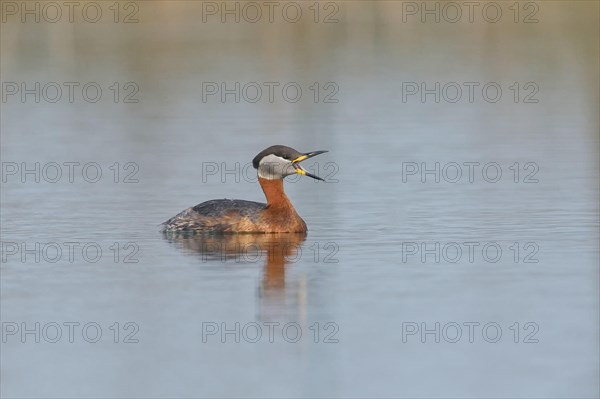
point(276, 251)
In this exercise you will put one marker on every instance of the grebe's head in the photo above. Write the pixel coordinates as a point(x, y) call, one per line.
point(279, 161)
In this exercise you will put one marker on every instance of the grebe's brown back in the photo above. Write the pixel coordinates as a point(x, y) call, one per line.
point(238, 216)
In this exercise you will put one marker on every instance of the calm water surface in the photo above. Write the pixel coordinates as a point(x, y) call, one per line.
point(369, 272)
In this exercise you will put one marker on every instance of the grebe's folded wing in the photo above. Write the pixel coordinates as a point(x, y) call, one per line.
point(221, 207)
point(222, 215)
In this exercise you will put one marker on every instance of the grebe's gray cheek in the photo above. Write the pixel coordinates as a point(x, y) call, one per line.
point(273, 167)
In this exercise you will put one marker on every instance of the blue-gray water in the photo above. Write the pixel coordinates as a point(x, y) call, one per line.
point(379, 264)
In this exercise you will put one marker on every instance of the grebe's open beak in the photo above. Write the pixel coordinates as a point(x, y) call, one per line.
point(300, 170)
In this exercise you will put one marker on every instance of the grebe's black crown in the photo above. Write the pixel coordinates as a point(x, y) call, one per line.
point(277, 150)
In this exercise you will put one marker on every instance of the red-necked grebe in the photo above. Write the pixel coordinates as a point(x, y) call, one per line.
point(238, 216)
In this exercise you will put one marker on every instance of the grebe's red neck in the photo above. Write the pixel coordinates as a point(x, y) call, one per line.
point(273, 189)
